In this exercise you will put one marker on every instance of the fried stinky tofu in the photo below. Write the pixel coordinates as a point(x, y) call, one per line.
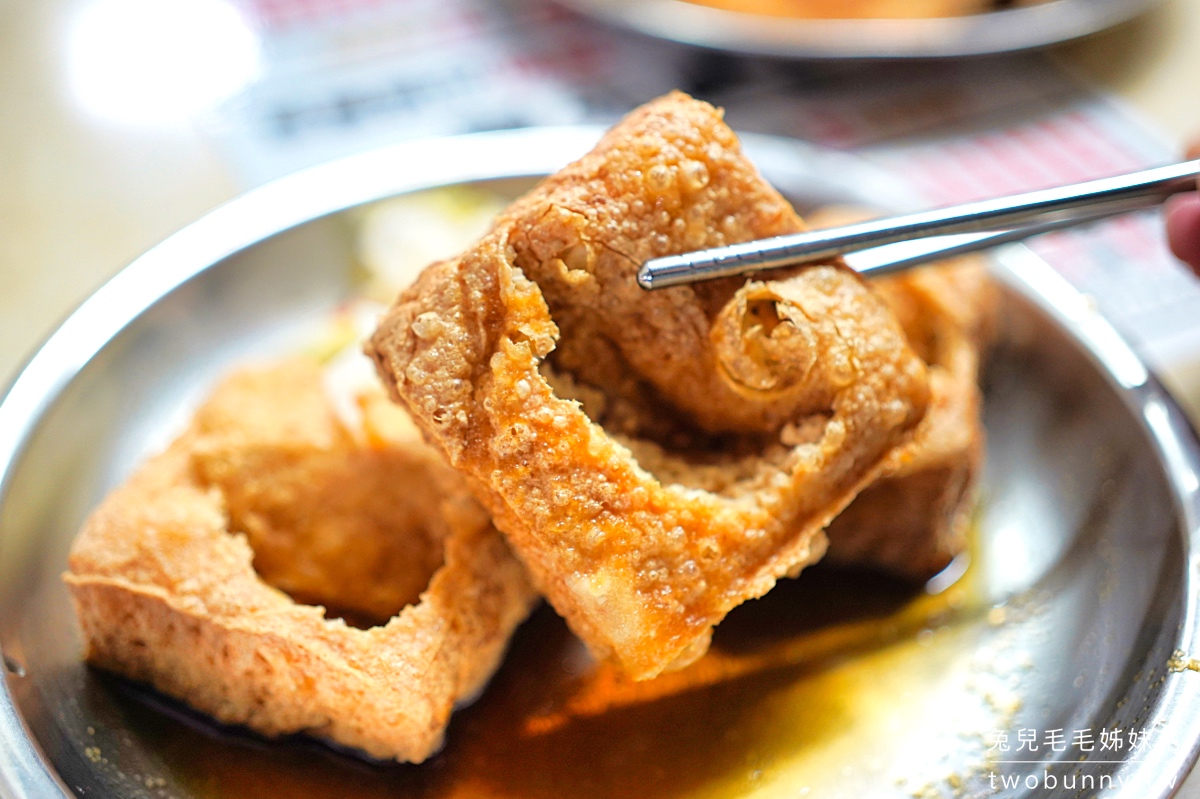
point(913, 519)
point(176, 576)
point(655, 459)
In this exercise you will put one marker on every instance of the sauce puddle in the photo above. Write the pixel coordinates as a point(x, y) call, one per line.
point(835, 683)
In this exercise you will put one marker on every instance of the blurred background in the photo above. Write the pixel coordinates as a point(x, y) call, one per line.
point(123, 120)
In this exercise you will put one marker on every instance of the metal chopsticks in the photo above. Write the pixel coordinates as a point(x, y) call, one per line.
point(886, 245)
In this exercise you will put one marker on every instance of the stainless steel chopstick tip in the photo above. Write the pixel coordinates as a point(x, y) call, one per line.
point(645, 277)
point(670, 270)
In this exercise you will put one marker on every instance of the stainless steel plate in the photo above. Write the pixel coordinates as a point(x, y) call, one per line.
point(995, 32)
point(1088, 551)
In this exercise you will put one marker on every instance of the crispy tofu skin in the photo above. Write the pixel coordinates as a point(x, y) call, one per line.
point(165, 587)
point(913, 520)
point(655, 458)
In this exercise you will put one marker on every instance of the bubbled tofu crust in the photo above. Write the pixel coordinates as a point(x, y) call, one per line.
point(913, 520)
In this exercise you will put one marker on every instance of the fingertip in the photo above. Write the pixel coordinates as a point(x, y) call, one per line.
point(1183, 229)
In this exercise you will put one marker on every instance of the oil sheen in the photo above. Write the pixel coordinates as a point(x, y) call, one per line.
point(837, 683)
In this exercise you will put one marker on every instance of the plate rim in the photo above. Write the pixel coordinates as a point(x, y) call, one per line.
point(1003, 31)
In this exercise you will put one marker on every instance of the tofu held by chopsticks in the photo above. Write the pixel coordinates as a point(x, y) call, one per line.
point(655, 459)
